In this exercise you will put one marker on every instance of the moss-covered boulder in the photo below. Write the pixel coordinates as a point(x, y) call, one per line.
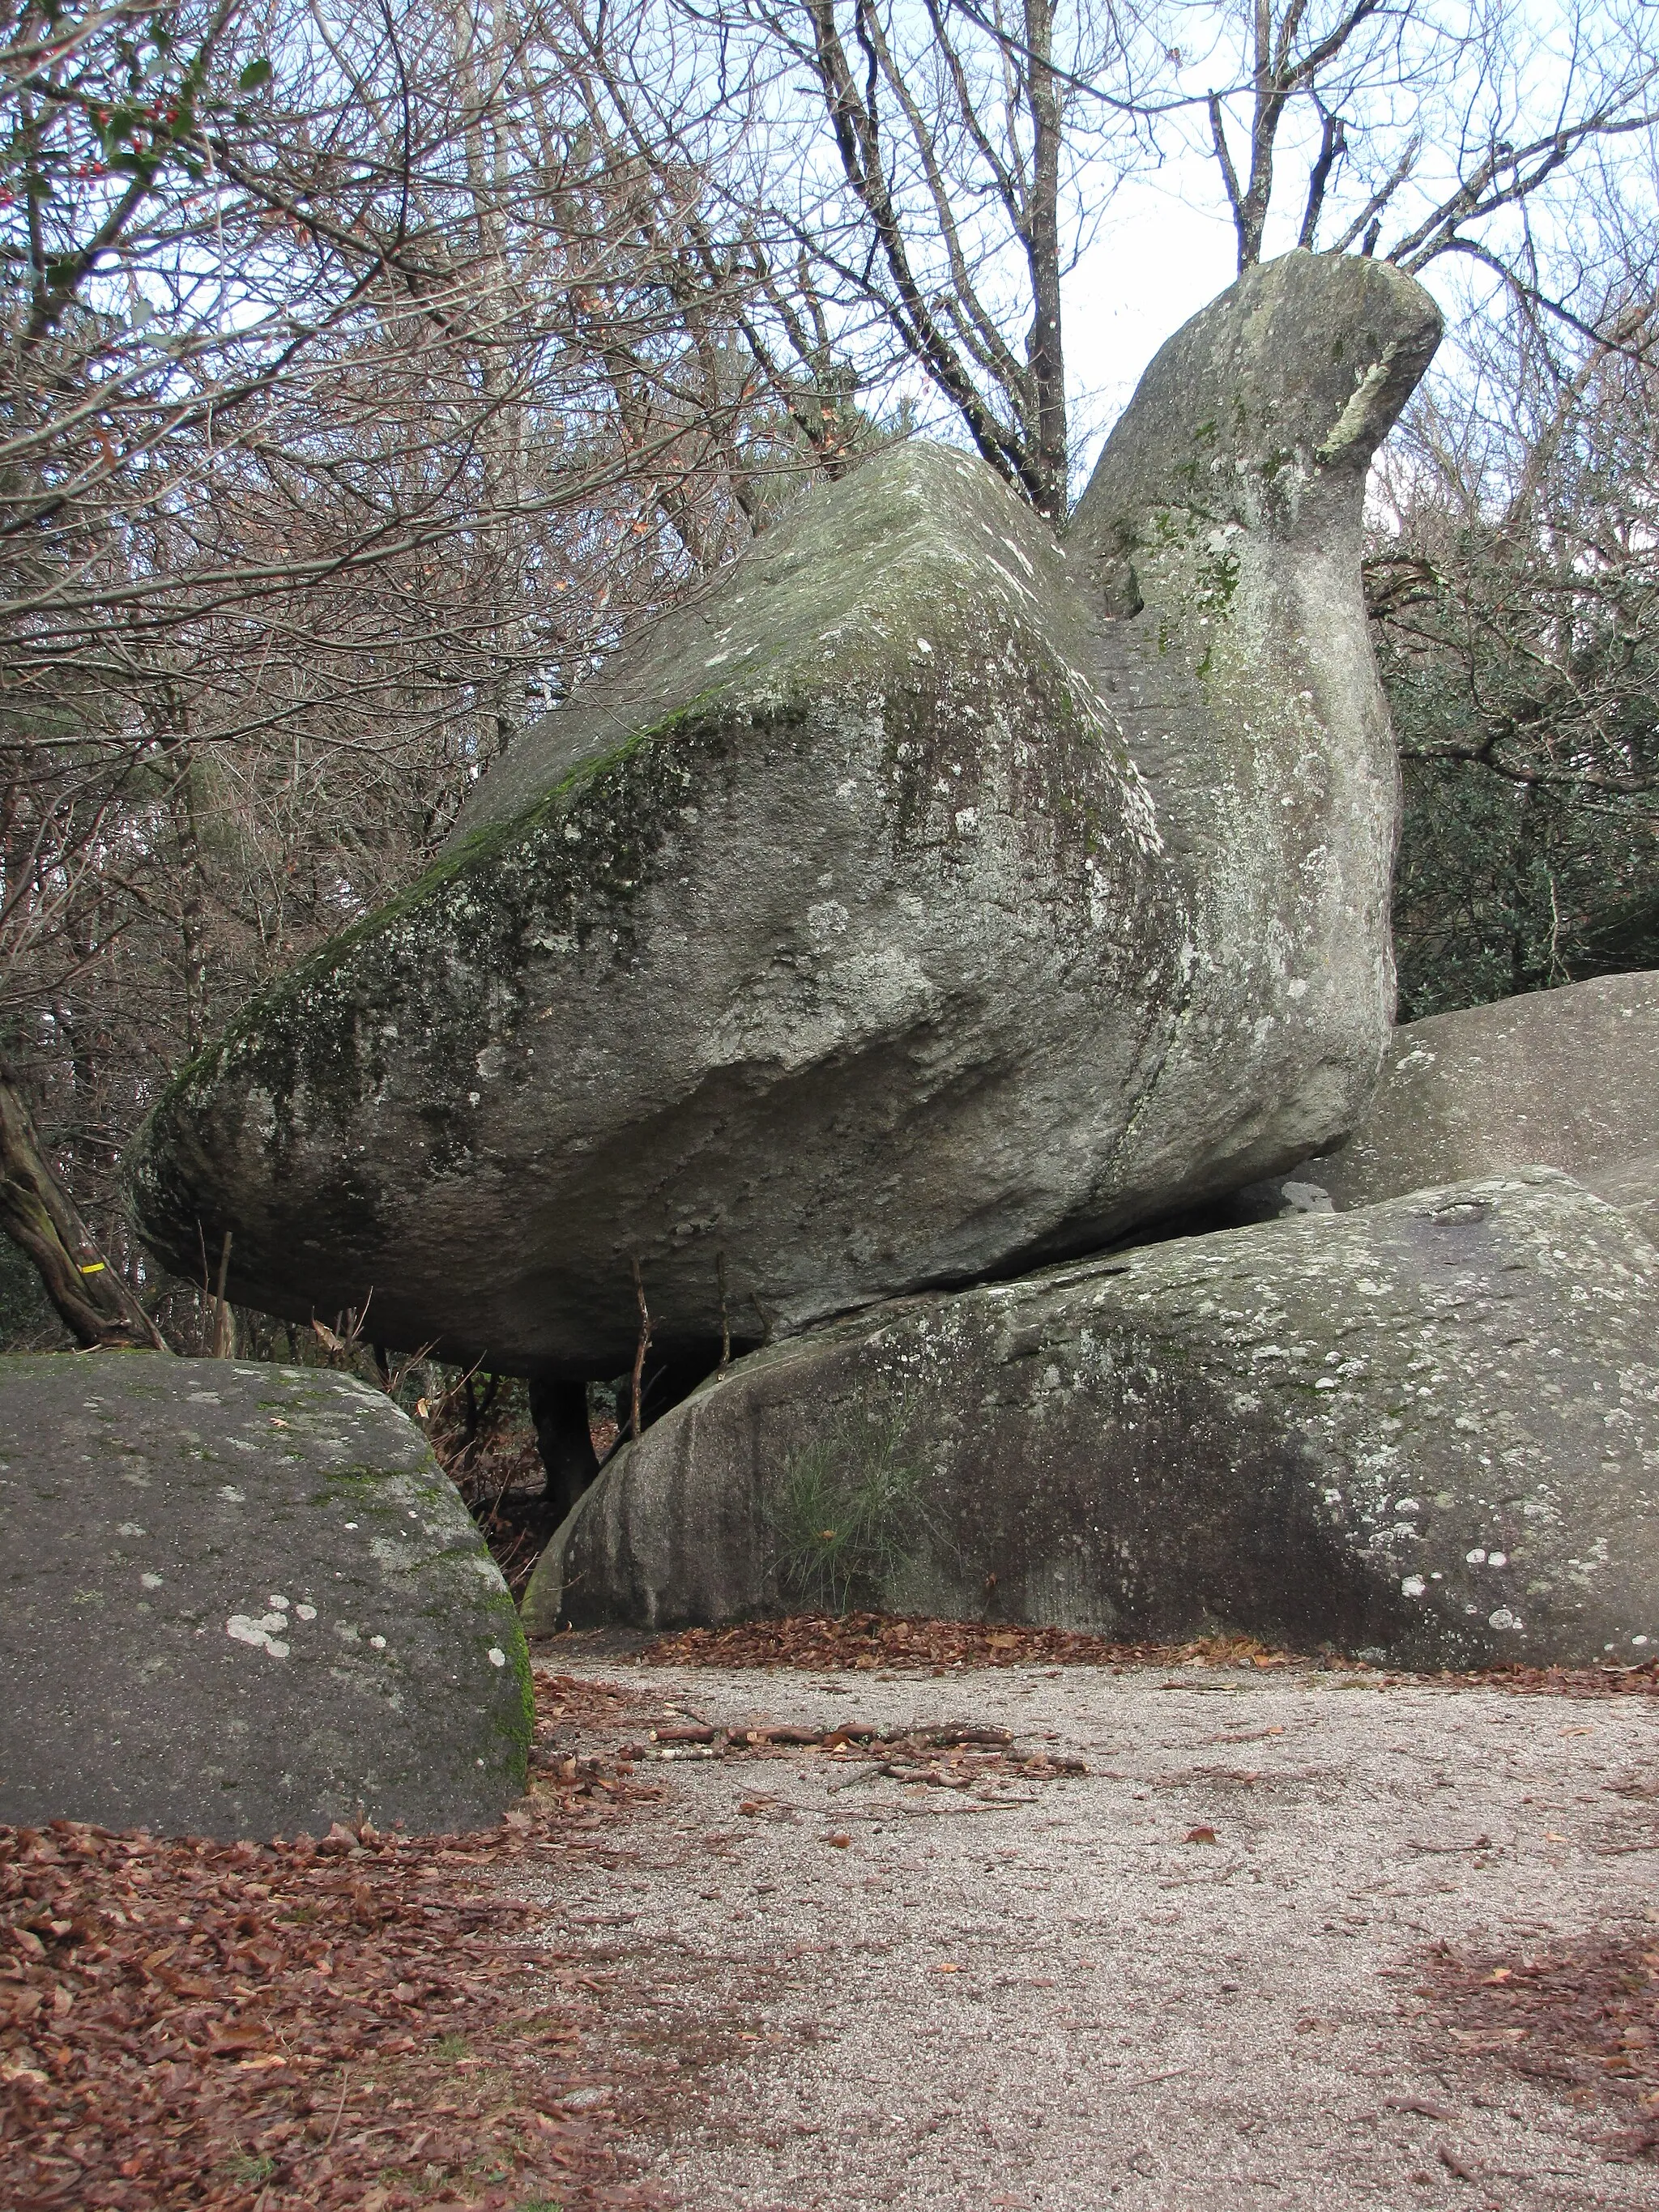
point(1427, 1430)
point(930, 897)
point(243, 1601)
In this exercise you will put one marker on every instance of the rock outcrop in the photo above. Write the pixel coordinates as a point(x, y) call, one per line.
point(243, 1601)
point(1566, 1078)
point(1428, 1430)
point(930, 899)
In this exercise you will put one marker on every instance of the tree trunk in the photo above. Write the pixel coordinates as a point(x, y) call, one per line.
point(558, 1409)
point(1045, 353)
point(92, 1298)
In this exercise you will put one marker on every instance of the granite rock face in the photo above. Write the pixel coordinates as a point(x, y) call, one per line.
point(1428, 1430)
point(1566, 1078)
point(243, 1601)
point(928, 900)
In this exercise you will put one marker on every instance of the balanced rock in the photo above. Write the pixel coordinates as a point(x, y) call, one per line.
point(1566, 1078)
point(243, 1601)
point(1427, 1430)
point(929, 898)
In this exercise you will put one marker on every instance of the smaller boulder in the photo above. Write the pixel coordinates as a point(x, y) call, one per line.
point(1566, 1078)
point(1426, 1431)
point(243, 1601)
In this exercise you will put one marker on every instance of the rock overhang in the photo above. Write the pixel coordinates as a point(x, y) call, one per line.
point(1426, 1429)
point(832, 831)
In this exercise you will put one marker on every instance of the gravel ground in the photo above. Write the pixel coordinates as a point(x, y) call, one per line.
point(1047, 1997)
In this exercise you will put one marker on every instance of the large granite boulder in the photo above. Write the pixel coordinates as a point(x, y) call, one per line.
point(243, 1601)
point(1566, 1078)
point(928, 899)
point(1427, 1430)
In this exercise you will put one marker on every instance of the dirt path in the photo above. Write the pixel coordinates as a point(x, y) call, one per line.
point(1048, 1998)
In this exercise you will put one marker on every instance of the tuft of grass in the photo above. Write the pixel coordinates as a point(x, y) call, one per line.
point(450, 2046)
point(251, 2168)
point(845, 1515)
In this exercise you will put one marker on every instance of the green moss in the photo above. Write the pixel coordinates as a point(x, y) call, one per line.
point(459, 902)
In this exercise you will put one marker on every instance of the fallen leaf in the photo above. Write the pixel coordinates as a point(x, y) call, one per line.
point(1201, 1835)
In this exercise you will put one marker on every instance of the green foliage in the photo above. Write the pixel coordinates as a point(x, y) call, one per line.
point(1517, 632)
point(1503, 888)
point(845, 1515)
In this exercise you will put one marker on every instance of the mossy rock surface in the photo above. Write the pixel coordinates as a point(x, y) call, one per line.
point(929, 898)
point(243, 1601)
point(1427, 1431)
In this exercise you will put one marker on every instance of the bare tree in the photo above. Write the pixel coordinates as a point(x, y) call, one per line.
point(932, 228)
point(1421, 117)
point(315, 482)
point(944, 161)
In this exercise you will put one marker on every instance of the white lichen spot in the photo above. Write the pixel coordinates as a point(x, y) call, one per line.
point(305, 1612)
point(129, 1529)
point(351, 1524)
point(923, 646)
point(1413, 1586)
point(495, 1655)
point(379, 1642)
point(262, 1634)
point(280, 1603)
point(1503, 1619)
point(204, 1398)
point(1297, 988)
point(235, 1497)
point(1407, 1505)
point(150, 1581)
point(1476, 1558)
point(1498, 1558)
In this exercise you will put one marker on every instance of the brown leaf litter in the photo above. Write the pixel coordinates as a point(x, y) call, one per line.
point(958, 1756)
point(361, 2021)
point(861, 1642)
point(865, 1642)
point(1580, 2017)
